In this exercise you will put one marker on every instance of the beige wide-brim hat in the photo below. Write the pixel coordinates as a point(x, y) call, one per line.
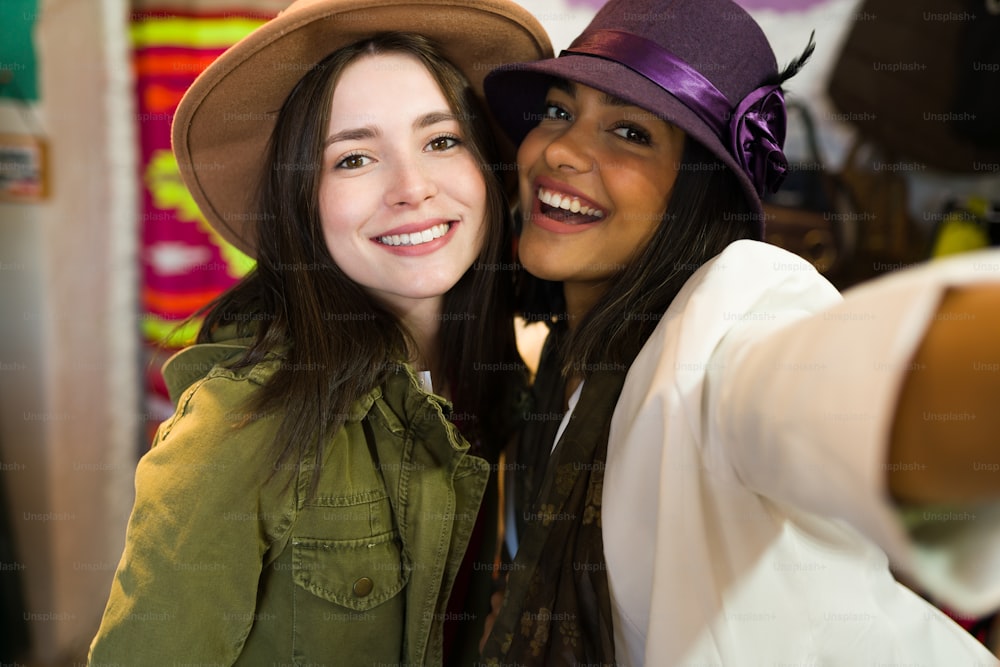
point(225, 119)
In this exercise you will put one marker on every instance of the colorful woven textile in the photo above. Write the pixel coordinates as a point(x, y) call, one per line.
point(184, 263)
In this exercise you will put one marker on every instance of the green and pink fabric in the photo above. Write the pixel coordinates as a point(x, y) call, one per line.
point(184, 263)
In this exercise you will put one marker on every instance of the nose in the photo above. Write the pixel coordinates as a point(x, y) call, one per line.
point(570, 150)
point(411, 184)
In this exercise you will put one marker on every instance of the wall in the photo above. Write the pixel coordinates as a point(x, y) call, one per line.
point(68, 407)
point(22, 371)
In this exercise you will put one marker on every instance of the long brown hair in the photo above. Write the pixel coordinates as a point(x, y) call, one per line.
point(339, 343)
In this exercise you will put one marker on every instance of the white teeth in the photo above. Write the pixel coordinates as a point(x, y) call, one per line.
point(416, 238)
point(567, 203)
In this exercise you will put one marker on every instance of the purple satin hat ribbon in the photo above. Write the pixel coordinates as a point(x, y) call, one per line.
point(753, 133)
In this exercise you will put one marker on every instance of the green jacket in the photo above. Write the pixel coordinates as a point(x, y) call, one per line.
point(220, 568)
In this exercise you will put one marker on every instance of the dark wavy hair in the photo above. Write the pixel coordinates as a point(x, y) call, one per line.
point(339, 343)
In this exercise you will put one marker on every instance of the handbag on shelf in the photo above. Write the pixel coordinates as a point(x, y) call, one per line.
point(921, 80)
point(887, 237)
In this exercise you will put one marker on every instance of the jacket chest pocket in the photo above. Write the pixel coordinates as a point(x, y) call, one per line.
point(349, 606)
point(357, 574)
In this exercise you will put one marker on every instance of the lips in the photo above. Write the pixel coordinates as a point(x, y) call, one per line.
point(566, 202)
point(402, 238)
point(559, 208)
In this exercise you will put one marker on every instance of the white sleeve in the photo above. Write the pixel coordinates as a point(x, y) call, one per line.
point(803, 412)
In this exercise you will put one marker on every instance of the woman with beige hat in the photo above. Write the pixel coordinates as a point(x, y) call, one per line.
point(313, 497)
point(725, 455)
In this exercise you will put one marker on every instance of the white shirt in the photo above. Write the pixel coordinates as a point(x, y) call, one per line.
point(746, 462)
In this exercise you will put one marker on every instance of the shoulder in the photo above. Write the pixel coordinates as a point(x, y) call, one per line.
point(748, 281)
point(747, 272)
point(749, 286)
point(214, 433)
point(214, 416)
point(218, 359)
point(214, 455)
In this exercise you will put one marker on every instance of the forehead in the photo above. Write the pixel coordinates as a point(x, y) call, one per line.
point(389, 82)
point(383, 64)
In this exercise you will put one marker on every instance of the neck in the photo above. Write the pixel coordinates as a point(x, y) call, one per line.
point(580, 300)
point(422, 320)
point(581, 297)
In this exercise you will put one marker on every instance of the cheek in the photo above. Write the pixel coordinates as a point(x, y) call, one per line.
point(474, 183)
point(528, 155)
point(530, 148)
point(528, 244)
point(343, 202)
point(530, 253)
point(468, 183)
point(339, 215)
point(329, 213)
point(653, 188)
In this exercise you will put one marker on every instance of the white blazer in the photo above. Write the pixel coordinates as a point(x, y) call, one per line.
point(745, 489)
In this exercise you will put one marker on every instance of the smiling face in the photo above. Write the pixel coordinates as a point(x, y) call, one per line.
point(402, 200)
point(595, 178)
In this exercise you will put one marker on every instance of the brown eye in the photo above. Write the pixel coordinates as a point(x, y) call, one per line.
point(555, 112)
point(633, 134)
point(354, 161)
point(442, 143)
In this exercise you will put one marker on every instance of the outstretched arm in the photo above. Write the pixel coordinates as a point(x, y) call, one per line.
point(828, 414)
point(947, 421)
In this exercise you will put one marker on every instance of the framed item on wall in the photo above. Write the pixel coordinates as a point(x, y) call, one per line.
point(23, 172)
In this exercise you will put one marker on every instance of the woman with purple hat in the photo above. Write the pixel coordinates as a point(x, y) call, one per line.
point(316, 497)
point(725, 456)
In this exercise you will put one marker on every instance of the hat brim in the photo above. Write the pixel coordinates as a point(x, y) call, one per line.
point(225, 119)
point(516, 95)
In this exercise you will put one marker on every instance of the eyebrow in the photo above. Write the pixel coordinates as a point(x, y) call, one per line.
point(371, 132)
point(569, 87)
point(352, 134)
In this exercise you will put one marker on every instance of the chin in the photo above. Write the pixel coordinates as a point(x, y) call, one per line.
point(538, 267)
point(544, 274)
point(428, 290)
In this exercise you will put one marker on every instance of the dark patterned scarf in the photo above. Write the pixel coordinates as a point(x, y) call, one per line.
point(557, 609)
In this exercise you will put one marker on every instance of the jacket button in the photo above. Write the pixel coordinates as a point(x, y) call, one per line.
point(363, 587)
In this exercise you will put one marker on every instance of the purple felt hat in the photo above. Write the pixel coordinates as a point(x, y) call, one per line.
point(702, 65)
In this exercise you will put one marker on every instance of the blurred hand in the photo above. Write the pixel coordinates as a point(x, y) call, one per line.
point(496, 601)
